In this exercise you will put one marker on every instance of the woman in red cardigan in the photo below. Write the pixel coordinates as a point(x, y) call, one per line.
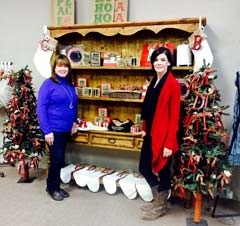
point(160, 117)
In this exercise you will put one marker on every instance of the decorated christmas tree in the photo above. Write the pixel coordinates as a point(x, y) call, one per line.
point(23, 141)
point(202, 163)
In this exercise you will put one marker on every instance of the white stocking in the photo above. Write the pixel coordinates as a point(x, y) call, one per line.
point(201, 49)
point(93, 180)
point(66, 173)
point(80, 176)
point(128, 187)
point(110, 181)
point(42, 57)
point(143, 189)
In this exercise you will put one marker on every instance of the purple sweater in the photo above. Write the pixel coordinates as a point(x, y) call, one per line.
point(53, 106)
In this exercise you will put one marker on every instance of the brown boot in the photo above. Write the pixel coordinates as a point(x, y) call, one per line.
point(152, 204)
point(160, 206)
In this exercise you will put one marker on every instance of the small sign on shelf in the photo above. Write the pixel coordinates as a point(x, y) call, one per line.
point(87, 91)
point(102, 112)
point(96, 92)
point(105, 88)
point(82, 82)
point(95, 59)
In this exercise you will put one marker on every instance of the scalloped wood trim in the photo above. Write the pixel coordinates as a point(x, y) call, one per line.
point(128, 28)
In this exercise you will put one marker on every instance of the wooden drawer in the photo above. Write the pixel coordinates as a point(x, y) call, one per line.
point(112, 141)
point(82, 137)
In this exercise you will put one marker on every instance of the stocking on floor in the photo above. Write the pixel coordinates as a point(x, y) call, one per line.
point(143, 188)
point(66, 173)
point(93, 179)
point(80, 176)
point(128, 187)
point(110, 181)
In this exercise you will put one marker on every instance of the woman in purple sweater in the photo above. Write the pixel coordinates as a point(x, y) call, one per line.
point(57, 113)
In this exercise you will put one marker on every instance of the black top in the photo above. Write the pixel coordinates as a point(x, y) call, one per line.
point(150, 101)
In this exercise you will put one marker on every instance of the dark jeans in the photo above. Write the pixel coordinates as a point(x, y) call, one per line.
point(57, 160)
point(145, 168)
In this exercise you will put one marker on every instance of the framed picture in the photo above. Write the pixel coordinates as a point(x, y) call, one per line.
point(86, 59)
point(95, 58)
point(82, 82)
point(87, 91)
point(96, 92)
point(102, 112)
point(98, 121)
point(105, 88)
point(79, 90)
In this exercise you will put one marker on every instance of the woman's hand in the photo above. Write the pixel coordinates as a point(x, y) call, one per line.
point(49, 138)
point(167, 152)
point(141, 133)
point(74, 128)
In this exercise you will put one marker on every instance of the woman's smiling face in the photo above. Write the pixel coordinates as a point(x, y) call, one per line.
point(161, 63)
point(61, 70)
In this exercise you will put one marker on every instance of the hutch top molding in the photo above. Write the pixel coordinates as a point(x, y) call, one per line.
point(129, 28)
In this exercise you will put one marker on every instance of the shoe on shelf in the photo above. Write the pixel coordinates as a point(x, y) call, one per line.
point(64, 193)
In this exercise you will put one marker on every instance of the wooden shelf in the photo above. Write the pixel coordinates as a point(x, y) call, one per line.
point(110, 99)
point(175, 68)
point(128, 28)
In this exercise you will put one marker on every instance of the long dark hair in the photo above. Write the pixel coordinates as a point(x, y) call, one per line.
point(62, 60)
point(165, 51)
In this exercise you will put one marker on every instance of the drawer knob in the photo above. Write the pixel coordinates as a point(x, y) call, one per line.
point(112, 140)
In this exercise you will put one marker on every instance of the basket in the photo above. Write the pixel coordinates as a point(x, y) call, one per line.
point(125, 94)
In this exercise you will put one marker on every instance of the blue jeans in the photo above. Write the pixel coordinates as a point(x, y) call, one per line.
point(57, 161)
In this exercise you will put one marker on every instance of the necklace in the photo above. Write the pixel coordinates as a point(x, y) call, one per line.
point(70, 96)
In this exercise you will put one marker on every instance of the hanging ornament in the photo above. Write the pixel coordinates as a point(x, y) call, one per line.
point(200, 48)
point(42, 57)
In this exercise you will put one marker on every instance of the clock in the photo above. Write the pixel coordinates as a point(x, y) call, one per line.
point(75, 55)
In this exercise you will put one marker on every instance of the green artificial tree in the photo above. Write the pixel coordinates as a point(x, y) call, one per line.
point(23, 141)
point(202, 165)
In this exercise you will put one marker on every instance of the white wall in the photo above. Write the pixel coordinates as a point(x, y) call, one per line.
point(21, 24)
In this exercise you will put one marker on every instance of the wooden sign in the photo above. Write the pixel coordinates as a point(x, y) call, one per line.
point(108, 11)
point(103, 11)
point(63, 12)
point(120, 11)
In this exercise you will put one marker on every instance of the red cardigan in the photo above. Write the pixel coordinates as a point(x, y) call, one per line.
point(166, 122)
